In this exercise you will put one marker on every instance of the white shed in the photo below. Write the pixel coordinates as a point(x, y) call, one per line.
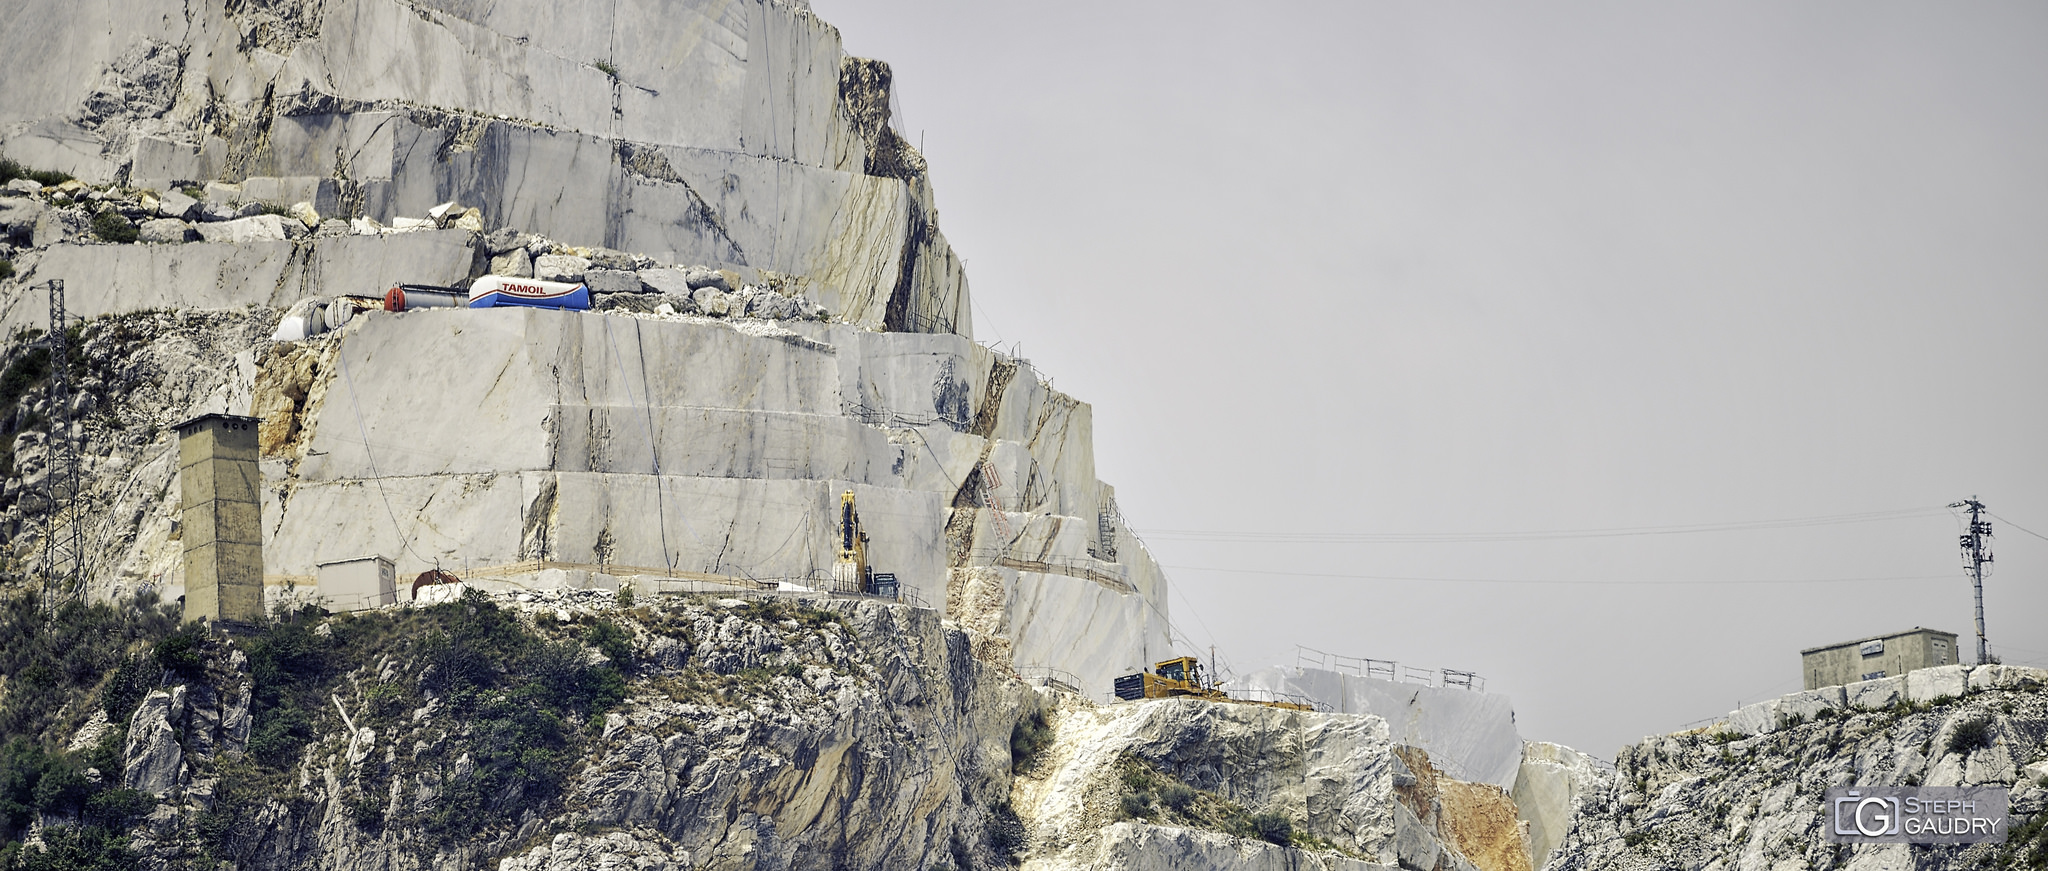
point(358, 584)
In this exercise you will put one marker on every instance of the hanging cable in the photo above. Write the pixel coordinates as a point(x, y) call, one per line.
point(653, 447)
point(1534, 535)
point(2008, 522)
point(371, 456)
point(1544, 581)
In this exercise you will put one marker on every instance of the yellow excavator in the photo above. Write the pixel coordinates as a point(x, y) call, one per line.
point(1183, 677)
point(851, 572)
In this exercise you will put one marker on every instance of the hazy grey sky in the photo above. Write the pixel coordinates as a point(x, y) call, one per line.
point(1422, 268)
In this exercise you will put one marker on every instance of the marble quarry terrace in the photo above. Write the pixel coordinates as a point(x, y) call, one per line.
point(652, 489)
point(696, 427)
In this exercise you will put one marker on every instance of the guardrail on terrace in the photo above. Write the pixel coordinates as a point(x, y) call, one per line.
point(885, 417)
point(1047, 676)
point(1073, 567)
point(1387, 669)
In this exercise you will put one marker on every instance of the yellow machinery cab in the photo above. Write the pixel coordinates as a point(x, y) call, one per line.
point(1181, 676)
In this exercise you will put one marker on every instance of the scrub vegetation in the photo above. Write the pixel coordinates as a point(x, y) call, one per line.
point(1151, 794)
point(9, 171)
point(507, 707)
point(64, 665)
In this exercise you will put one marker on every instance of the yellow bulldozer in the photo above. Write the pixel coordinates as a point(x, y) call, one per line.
point(1183, 677)
point(1175, 677)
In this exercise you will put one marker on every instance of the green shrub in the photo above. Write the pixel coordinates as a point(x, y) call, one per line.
point(1029, 736)
point(367, 811)
point(118, 808)
point(110, 226)
point(6, 269)
point(228, 830)
point(55, 660)
point(2026, 845)
point(606, 67)
point(75, 848)
point(63, 788)
point(22, 764)
point(1136, 805)
point(1178, 796)
point(1006, 833)
point(1969, 736)
point(126, 687)
point(611, 641)
point(9, 171)
point(1274, 827)
point(183, 653)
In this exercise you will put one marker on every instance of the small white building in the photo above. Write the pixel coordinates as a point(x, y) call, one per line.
point(358, 584)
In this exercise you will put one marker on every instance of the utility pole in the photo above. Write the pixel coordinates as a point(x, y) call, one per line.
point(60, 450)
point(1976, 546)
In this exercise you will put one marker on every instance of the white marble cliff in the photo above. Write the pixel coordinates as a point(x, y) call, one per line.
point(730, 134)
point(649, 138)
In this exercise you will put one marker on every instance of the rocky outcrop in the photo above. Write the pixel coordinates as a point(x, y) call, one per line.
point(185, 728)
point(569, 851)
point(1468, 733)
point(769, 732)
point(1135, 846)
point(868, 738)
point(1551, 789)
point(1746, 794)
point(141, 374)
point(1352, 797)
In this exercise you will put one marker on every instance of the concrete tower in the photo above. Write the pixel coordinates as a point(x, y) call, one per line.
point(222, 524)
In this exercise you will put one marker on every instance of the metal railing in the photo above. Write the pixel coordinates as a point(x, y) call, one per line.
point(919, 322)
point(1388, 670)
point(1084, 568)
point(893, 419)
point(1047, 676)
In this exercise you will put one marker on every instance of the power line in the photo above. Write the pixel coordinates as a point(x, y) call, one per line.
point(1535, 535)
point(1560, 581)
point(2008, 522)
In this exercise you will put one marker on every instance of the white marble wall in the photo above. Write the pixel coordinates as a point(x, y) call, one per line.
point(1469, 735)
point(491, 437)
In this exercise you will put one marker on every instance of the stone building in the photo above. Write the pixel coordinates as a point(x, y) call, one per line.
point(1877, 656)
point(219, 488)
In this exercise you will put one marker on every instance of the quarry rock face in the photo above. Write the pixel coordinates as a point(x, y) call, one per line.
point(1738, 796)
point(735, 135)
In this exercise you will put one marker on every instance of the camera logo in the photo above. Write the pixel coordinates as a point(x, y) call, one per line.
point(1867, 815)
point(1915, 815)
